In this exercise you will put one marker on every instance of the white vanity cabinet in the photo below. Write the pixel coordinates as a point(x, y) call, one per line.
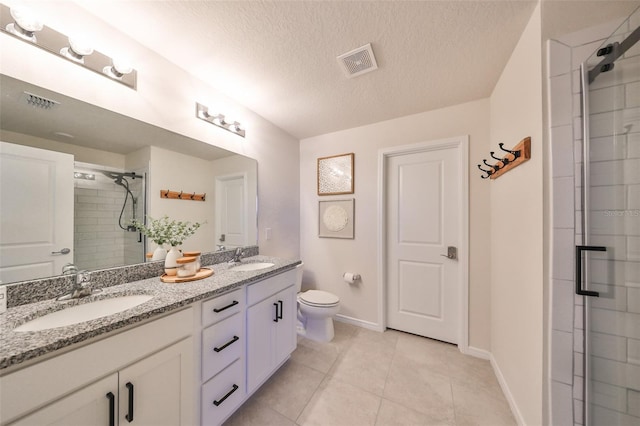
point(271, 326)
point(223, 347)
point(142, 376)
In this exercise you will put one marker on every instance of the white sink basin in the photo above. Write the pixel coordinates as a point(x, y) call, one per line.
point(85, 312)
point(251, 266)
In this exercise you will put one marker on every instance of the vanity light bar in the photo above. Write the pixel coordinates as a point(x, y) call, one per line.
point(202, 112)
point(69, 49)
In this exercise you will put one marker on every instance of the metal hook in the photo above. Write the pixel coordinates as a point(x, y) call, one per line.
point(166, 194)
point(193, 195)
point(515, 154)
point(180, 195)
point(488, 172)
point(495, 167)
point(504, 160)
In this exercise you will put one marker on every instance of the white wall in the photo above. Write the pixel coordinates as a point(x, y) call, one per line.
point(326, 259)
point(165, 97)
point(179, 172)
point(517, 231)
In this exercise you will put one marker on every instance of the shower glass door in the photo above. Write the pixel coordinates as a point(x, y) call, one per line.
point(609, 256)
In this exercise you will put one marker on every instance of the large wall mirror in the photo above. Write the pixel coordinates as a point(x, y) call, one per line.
point(73, 176)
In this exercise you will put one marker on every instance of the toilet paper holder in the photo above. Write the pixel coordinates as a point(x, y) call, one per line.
point(351, 277)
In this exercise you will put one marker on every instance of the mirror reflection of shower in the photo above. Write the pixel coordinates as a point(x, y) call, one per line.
point(120, 178)
point(106, 201)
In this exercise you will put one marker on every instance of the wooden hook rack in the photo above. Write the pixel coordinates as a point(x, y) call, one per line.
point(511, 159)
point(165, 193)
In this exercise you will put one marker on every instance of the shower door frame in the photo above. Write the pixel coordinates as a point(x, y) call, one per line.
point(587, 76)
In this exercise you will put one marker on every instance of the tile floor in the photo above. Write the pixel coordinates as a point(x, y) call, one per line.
point(364, 377)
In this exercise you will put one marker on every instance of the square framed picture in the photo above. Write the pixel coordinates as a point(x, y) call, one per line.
point(335, 174)
point(336, 219)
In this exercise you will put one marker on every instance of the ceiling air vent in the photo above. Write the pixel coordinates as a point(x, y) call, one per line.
point(359, 61)
point(40, 102)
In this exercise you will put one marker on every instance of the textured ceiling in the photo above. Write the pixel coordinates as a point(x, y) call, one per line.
point(279, 58)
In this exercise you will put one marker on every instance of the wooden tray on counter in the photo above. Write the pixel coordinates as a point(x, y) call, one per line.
point(201, 274)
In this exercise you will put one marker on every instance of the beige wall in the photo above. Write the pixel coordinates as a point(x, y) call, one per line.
point(517, 230)
point(326, 259)
point(165, 97)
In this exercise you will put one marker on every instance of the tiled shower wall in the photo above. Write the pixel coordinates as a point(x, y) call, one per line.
point(615, 348)
point(98, 240)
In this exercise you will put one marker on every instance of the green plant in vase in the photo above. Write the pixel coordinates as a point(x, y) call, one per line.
point(167, 231)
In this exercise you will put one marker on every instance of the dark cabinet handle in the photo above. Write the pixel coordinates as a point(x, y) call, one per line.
point(235, 339)
point(112, 408)
point(129, 415)
point(234, 303)
point(235, 388)
point(280, 303)
point(579, 250)
point(277, 316)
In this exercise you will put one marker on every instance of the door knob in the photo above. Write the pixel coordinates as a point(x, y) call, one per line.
point(63, 251)
point(452, 253)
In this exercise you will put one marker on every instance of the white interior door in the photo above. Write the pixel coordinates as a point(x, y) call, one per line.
point(231, 208)
point(34, 228)
point(423, 213)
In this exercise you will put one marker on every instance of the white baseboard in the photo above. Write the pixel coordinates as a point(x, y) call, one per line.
point(476, 352)
point(507, 392)
point(359, 323)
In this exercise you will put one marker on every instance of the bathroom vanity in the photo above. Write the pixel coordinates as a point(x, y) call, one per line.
point(191, 355)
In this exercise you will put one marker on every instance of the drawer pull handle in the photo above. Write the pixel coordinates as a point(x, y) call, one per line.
point(112, 408)
point(235, 339)
point(129, 415)
point(235, 388)
point(234, 303)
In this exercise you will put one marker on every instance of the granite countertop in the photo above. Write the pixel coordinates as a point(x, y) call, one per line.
point(17, 347)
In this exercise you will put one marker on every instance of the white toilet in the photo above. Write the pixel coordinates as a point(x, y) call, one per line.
point(316, 309)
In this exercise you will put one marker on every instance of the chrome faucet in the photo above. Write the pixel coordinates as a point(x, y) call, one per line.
point(82, 286)
point(221, 247)
point(237, 256)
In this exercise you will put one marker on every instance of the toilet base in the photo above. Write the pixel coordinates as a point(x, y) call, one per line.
point(319, 329)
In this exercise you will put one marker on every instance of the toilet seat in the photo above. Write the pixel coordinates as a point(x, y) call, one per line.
point(318, 298)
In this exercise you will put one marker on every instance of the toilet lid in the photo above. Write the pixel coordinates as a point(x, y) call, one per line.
point(319, 298)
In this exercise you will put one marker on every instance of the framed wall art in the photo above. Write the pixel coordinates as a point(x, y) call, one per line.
point(336, 219)
point(336, 174)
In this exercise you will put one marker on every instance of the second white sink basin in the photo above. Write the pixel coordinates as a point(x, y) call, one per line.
point(244, 267)
point(85, 312)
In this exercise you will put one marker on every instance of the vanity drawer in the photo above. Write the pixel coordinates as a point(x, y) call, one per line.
point(223, 394)
point(222, 307)
point(266, 288)
point(222, 343)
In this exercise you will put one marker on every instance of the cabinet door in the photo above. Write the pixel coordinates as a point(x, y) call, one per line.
point(157, 390)
point(260, 335)
point(285, 329)
point(89, 406)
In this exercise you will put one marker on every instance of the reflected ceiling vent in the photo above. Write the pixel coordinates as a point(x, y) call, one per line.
point(39, 101)
point(359, 61)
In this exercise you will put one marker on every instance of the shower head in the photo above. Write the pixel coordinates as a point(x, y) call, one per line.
point(119, 176)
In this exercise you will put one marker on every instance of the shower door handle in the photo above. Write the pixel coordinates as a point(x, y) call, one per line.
point(579, 250)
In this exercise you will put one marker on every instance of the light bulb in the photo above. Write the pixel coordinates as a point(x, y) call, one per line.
point(25, 24)
point(77, 50)
point(118, 69)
